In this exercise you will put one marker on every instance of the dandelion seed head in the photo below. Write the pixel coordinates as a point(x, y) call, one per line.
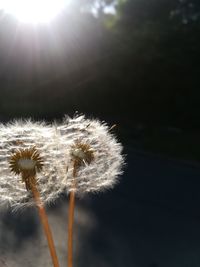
point(91, 143)
point(26, 149)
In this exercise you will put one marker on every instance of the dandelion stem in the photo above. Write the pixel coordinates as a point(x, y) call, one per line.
point(71, 218)
point(45, 223)
point(70, 228)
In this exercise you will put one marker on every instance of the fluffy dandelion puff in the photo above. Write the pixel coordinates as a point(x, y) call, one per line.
point(79, 155)
point(92, 158)
point(28, 146)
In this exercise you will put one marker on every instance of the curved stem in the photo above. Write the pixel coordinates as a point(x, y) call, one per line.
point(70, 228)
point(45, 223)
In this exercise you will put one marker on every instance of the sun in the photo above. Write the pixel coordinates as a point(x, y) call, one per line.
point(33, 11)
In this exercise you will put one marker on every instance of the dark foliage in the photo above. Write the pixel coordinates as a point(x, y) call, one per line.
point(139, 64)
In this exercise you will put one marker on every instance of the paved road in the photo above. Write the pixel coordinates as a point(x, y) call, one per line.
point(151, 219)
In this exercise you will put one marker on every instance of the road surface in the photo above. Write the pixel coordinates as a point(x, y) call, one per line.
point(151, 219)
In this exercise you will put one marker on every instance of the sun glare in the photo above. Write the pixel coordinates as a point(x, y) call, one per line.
point(33, 11)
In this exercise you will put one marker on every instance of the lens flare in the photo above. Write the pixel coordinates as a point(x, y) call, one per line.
point(33, 11)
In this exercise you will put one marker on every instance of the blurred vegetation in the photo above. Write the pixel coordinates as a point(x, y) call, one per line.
point(138, 62)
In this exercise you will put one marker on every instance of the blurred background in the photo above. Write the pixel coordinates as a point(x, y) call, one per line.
point(134, 63)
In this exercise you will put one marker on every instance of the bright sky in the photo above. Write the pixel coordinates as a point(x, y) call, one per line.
point(33, 11)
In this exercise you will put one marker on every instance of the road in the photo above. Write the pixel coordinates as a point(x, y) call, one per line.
point(150, 219)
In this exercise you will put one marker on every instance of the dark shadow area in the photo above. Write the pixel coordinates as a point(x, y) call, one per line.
point(22, 226)
point(152, 216)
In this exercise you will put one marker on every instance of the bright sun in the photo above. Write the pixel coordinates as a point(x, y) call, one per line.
point(33, 11)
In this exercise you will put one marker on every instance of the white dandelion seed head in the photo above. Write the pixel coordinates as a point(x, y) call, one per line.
point(103, 169)
point(78, 142)
point(22, 135)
